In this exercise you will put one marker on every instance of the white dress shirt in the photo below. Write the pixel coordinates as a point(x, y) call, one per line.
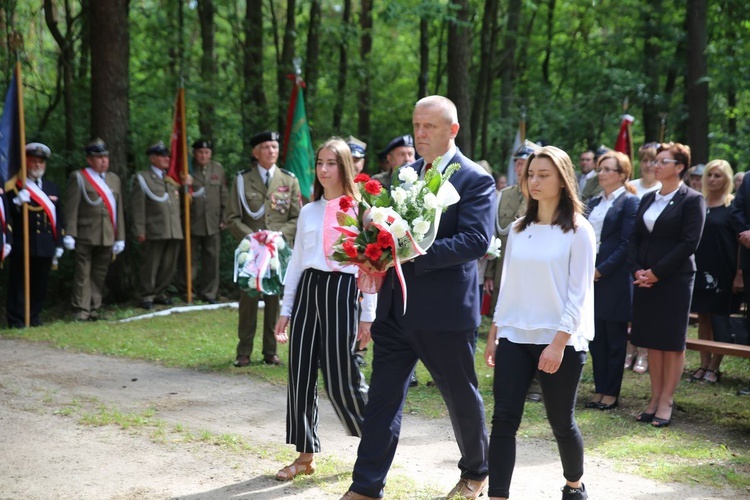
point(266, 175)
point(597, 215)
point(657, 207)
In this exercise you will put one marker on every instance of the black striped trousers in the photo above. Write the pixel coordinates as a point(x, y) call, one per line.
point(323, 335)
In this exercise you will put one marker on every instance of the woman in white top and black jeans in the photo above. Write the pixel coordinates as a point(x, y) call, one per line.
point(544, 318)
point(321, 301)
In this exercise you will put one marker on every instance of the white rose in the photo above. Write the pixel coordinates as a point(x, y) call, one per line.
point(242, 258)
point(399, 228)
point(378, 215)
point(421, 226)
point(408, 175)
point(430, 201)
point(280, 243)
point(274, 263)
point(244, 245)
point(399, 195)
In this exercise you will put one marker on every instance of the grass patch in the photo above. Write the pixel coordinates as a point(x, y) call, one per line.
point(708, 443)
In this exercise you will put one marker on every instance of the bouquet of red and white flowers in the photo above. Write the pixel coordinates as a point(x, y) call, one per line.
point(382, 229)
point(260, 263)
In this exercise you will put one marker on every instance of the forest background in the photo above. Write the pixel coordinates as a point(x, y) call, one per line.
point(569, 68)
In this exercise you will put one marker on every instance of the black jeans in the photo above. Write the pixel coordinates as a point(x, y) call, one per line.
point(515, 365)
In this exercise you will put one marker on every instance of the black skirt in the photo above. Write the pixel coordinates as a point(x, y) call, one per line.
point(661, 313)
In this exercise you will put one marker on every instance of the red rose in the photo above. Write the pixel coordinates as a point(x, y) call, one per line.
point(346, 203)
point(385, 240)
point(361, 178)
point(373, 187)
point(350, 248)
point(373, 252)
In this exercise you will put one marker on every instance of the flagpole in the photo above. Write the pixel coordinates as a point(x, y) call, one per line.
point(187, 198)
point(522, 125)
point(25, 206)
point(625, 105)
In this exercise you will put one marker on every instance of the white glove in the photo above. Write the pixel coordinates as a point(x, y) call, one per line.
point(118, 247)
point(69, 242)
point(58, 252)
point(22, 197)
point(6, 250)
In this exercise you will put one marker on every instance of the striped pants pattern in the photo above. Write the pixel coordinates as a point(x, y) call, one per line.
point(323, 334)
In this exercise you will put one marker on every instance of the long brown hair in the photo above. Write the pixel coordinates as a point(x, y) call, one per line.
point(345, 163)
point(569, 205)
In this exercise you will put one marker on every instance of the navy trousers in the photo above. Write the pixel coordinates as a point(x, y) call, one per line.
point(449, 357)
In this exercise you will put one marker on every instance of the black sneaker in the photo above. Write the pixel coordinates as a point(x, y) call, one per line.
point(413, 382)
point(569, 493)
point(360, 360)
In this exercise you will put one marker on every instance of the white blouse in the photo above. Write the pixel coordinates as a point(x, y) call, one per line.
point(597, 215)
point(548, 285)
point(309, 253)
point(656, 208)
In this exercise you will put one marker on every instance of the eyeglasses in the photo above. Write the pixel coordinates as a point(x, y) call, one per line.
point(609, 169)
point(665, 161)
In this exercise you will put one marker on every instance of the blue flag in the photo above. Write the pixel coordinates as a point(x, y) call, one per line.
point(10, 137)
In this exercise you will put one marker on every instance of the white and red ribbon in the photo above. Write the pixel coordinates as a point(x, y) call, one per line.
point(104, 192)
point(41, 198)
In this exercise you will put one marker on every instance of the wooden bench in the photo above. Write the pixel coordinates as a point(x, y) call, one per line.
point(719, 347)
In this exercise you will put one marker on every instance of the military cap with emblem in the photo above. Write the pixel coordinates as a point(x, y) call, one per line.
point(264, 137)
point(202, 143)
point(402, 140)
point(525, 150)
point(697, 170)
point(158, 149)
point(601, 151)
point(357, 147)
point(96, 147)
point(38, 149)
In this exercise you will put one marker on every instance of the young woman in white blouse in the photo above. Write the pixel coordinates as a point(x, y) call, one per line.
point(544, 318)
point(321, 303)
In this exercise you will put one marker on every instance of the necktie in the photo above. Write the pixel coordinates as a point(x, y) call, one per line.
point(268, 178)
point(427, 167)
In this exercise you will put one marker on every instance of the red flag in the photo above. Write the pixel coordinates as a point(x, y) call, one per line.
point(178, 147)
point(624, 141)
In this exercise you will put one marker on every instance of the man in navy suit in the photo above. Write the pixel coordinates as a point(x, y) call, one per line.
point(45, 236)
point(439, 325)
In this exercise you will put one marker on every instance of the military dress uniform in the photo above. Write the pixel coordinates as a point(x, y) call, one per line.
point(209, 202)
point(95, 231)
point(155, 208)
point(45, 238)
point(252, 206)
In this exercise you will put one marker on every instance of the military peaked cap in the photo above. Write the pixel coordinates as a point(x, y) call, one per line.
point(96, 147)
point(38, 149)
point(158, 149)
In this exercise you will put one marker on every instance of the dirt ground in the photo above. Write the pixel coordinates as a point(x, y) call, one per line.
point(46, 453)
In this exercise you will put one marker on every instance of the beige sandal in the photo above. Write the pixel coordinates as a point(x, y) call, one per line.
point(295, 469)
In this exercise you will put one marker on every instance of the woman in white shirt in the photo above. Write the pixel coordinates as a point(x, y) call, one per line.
point(321, 302)
point(544, 318)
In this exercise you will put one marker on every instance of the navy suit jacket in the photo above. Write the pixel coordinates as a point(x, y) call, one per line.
point(613, 291)
point(42, 242)
point(669, 249)
point(741, 217)
point(442, 286)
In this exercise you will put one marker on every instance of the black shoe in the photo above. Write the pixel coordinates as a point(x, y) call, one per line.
point(595, 405)
point(610, 406)
point(164, 301)
point(569, 493)
point(146, 304)
point(744, 392)
point(210, 301)
point(534, 397)
point(360, 360)
point(413, 382)
point(645, 418)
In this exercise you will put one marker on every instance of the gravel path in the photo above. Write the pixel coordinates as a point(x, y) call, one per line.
point(47, 452)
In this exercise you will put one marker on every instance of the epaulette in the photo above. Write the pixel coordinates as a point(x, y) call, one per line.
point(287, 172)
point(246, 171)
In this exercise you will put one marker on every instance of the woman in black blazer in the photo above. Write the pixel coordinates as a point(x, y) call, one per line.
point(612, 215)
point(667, 231)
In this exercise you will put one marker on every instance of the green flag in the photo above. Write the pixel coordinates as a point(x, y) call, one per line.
point(299, 157)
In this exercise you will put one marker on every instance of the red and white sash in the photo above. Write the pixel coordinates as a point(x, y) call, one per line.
point(41, 198)
point(2, 225)
point(106, 194)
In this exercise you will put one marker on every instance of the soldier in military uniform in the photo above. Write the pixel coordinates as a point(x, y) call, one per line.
point(207, 207)
point(45, 237)
point(592, 188)
point(262, 197)
point(6, 229)
point(155, 206)
point(400, 151)
point(95, 228)
point(358, 149)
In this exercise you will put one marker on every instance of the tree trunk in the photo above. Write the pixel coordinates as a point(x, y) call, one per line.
point(508, 75)
point(313, 50)
point(206, 110)
point(286, 64)
point(110, 51)
point(459, 56)
point(548, 48)
point(67, 62)
point(483, 92)
point(338, 106)
point(424, 57)
point(83, 62)
point(651, 68)
point(254, 105)
point(697, 81)
point(363, 94)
